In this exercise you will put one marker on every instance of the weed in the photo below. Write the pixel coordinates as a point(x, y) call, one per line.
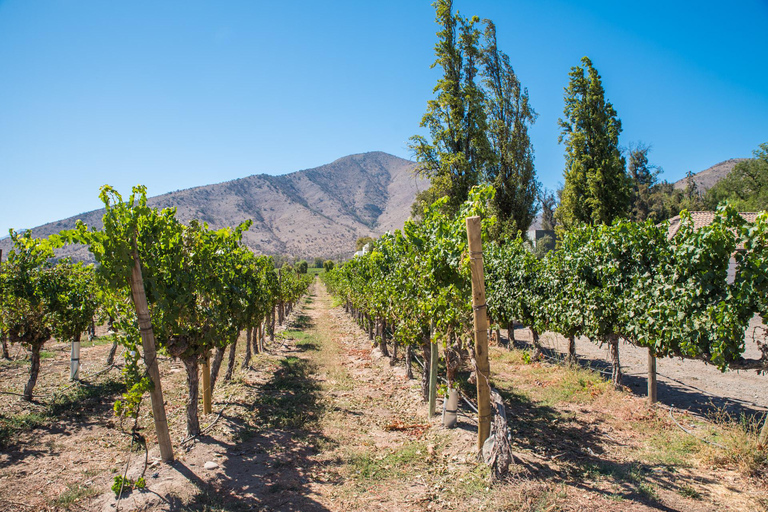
point(14, 424)
point(84, 395)
point(740, 437)
point(290, 399)
point(647, 490)
point(670, 448)
point(74, 493)
point(13, 362)
point(688, 491)
point(125, 485)
point(102, 340)
point(391, 465)
point(244, 434)
point(574, 385)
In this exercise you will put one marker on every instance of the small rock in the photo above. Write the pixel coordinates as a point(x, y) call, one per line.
point(210, 465)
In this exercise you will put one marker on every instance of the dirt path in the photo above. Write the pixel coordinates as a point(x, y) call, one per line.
point(336, 410)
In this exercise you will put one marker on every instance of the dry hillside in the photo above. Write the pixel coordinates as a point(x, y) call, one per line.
point(314, 212)
point(707, 178)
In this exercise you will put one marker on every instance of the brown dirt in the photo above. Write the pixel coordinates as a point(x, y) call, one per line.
point(684, 383)
point(358, 438)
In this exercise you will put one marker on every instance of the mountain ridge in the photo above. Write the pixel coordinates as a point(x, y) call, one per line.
point(317, 212)
point(709, 177)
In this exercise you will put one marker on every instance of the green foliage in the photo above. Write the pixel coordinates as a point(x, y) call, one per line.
point(477, 126)
point(746, 187)
point(124, 485)
point(457, 149)
point(515, 288)
point(511, 171)
point(29, 288)
point(624, 280)
point(362, 242)
point(597, 189)
point(418, 276)
point(202, 285)
point(627, 279)
point(302, 267)
point(549, 202)
point(40, 298)
point(328, 265)
point(643, 177)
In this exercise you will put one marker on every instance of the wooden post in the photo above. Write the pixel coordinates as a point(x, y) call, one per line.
point(483, 370)
point(763, 440)
point(3, 336)
point(280, 310)
point(206, 385)
point(434, 359)
point(150, 357)
point(651, 378)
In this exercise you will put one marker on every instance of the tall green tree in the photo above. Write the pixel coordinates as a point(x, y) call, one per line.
point(746, 186)
point(511, 171)
point(549, 201)
point(643, 176)
point(457, 149)
point(597, 188)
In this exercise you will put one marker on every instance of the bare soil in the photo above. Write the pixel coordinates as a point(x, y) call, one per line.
point(321, 422)
point(682, 383)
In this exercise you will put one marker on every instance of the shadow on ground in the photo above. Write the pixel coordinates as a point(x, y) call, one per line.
point(571, 450)
point(670, 392)
point(81, 406)
point(270, 465)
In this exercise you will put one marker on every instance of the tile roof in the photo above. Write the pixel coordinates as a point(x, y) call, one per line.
point(701, 219)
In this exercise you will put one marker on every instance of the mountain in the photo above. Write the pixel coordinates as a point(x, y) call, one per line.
point(318, 212)
point(707, 178)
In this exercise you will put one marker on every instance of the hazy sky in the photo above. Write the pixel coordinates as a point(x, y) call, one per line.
point(175, 94)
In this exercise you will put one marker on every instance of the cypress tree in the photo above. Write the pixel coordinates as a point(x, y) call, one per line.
point(597, 189)
point(457, 149)
point(511, 172)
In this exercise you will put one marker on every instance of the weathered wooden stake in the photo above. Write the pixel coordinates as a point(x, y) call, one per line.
point(434, 359)
point(3, 336)
point(255, 340)
point(150, 358)
point(763, 440)
point(206, 385)
point(483, 370)
point(651, 378)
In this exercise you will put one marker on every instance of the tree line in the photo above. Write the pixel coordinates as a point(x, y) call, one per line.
point(477, 133)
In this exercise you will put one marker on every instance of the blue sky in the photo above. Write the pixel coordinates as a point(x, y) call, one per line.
point(176, 94)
